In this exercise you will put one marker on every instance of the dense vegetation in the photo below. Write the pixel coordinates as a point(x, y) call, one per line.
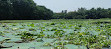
point(28, 9)
point(83, 13)
point(23, 9)
point(56, 34)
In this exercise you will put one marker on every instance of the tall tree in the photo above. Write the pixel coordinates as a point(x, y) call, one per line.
point(5, 9)
point(24, 8)
point(44, 13)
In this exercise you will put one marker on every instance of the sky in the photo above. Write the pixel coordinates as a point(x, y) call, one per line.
point(72, 5)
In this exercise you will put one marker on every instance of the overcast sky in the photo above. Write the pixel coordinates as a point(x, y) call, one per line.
point(71, 5)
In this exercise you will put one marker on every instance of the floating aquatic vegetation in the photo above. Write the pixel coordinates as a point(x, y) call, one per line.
point(100, 22)
point(47, 44)
point(26, 36)
point(1, 33)
point(32, 25)
point(40, 40)
point(32, 29)
point(52, 23)
point(60, 47)
point(14, 29)
point(57, 34)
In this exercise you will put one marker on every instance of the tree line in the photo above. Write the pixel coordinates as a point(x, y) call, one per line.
point(83, 13)
point(29, 10)
point(23, 9)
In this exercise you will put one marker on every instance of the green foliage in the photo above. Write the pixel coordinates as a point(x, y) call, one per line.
point(23, 9)
point(59, 15)
point(26, 36)
point(83, 13)
point(39, 40)
point(32, 29)
point(47, 44)
point(5, 9)
point(58, 34)
point(43, 12)
point(1, 33)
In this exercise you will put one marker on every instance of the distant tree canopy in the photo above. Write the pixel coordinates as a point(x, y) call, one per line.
point(28, 10)
point(83, 13)
point(23, 9)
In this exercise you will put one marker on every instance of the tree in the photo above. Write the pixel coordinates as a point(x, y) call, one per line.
point(83, 13)
point(71, 15)
point(23, 9)
point(5, 9)
point(44, 13)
